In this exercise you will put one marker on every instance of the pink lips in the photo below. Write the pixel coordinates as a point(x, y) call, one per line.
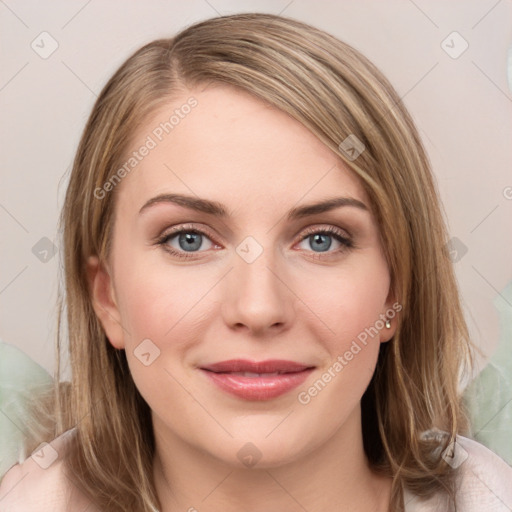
point(254, 380)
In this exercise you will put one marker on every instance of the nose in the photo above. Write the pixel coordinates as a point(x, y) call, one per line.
point(257, 297)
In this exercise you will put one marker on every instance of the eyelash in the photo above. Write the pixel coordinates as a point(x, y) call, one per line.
point(346, 243)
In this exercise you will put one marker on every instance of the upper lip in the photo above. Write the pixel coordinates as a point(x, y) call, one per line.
point(268, 366)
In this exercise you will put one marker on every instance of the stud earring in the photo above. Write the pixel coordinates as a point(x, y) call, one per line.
point(388, 324)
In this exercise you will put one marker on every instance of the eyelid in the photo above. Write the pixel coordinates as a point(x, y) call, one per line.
point(329, 229)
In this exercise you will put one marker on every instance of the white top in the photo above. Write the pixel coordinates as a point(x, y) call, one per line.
point(484, 485)
point(39, 484)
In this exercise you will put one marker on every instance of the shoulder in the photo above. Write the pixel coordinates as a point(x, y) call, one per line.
point(484, 481)
point(39, 483)
point(485, 478)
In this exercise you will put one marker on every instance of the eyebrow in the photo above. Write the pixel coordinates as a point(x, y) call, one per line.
point(218, 210)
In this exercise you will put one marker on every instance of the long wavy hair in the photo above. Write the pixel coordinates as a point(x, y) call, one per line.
point(335, 92)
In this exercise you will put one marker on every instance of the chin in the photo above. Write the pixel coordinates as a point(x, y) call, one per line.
point(262, 452)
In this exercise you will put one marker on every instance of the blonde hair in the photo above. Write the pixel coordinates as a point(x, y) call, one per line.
point(335, 92)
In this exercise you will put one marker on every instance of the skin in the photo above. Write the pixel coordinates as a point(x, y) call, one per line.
point(293, 302)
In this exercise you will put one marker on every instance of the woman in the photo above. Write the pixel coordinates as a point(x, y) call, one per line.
point(262, 313)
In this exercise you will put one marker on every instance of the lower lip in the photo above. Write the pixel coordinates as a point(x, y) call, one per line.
point(258, 388)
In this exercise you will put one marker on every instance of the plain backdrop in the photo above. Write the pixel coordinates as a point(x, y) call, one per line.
point(459, 98)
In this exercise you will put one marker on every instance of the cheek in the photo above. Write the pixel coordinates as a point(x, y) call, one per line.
point(162, 303)
point(350, 300)
point(164, 306)
point(350, 304)
point(152, 299)
point(149, 306)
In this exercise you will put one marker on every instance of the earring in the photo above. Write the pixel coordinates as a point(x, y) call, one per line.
point(388, 324)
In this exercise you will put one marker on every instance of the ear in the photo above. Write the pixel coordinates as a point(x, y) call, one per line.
point(392, 313)
point(103, 300)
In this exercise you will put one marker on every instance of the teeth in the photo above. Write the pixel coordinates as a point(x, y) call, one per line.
point(251, 374)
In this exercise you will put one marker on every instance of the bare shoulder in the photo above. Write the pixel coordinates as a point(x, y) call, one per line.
point(39, 483)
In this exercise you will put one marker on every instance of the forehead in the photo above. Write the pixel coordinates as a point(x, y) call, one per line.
point(220, 142)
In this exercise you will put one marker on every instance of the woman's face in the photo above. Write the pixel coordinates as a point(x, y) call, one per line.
point(239, 239)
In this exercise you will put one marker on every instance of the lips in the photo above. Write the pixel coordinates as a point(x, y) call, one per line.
point(242, 365)
point(257, 380)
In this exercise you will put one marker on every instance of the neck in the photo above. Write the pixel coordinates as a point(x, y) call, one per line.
point(332, 477)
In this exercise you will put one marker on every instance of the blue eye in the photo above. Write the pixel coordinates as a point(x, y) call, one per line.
point(188, 242)
point(321, 240)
